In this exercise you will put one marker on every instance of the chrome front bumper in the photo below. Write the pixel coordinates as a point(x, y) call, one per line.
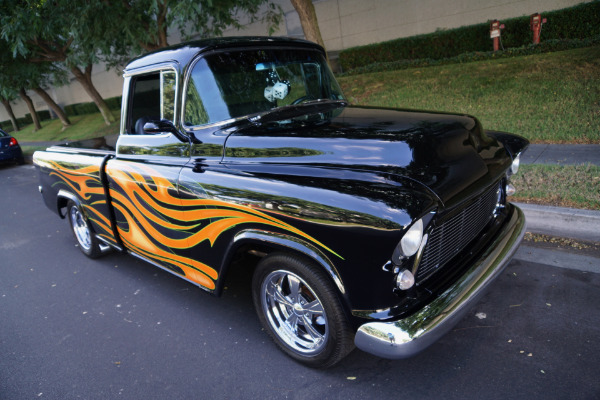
point(406, 337)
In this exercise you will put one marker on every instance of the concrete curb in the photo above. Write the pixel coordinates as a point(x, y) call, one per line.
point(563, 222)
point(558, 258)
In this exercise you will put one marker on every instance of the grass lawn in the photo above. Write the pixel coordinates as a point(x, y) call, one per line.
point(82, 127)
point(558, 185)
point(548, 98)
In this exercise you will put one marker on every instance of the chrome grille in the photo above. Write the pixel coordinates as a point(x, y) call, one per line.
point(447, 240)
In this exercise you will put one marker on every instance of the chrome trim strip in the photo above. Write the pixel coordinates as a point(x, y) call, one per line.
point(106, 244)
point(161, 68)
point(136, 255)
point(407, 337)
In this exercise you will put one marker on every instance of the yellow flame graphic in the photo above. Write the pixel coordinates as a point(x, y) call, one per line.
point(154, 222)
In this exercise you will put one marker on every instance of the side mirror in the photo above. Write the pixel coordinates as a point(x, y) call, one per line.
point(164, 126)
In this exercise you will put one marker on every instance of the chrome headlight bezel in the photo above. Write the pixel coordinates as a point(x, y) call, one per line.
point(410, 242)
point(514, 167)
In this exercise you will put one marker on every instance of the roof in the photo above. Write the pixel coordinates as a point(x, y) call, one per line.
point(182, 53)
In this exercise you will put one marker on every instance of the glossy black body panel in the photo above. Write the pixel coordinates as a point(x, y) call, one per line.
point(449, 154)
point(340, 185)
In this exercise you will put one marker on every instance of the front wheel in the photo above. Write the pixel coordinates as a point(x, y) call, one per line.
point(299, 307)
point(82, 231)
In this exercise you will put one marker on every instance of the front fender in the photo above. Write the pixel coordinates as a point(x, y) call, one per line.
point(514, 144)
point(279, 241)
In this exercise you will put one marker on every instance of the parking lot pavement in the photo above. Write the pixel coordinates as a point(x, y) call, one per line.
point(72, 327)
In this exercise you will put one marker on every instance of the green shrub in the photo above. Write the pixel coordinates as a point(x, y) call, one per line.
point(544, 47)
point(26, 120)
point(44, 115)
point(577, 22)
point(114, 103)
point(6, 126)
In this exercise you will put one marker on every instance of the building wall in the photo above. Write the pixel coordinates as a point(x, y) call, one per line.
point(343, 24)
point(350, 23)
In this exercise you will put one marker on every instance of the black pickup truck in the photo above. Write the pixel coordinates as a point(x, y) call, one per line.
point(363, 226)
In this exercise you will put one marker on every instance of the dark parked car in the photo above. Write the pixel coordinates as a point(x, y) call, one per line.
point(10, 151)
point(363, 226)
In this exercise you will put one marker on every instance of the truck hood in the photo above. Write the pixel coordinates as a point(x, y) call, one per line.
point(449, 154)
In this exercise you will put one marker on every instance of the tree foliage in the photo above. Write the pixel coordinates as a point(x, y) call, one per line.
point(46, 31)
point(150, 22)
point(74, 35)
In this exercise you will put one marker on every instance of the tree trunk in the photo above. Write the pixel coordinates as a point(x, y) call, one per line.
point(11, 115)
point(34, 116)
point(55, 107)
point(85, 79)
point(308, 20)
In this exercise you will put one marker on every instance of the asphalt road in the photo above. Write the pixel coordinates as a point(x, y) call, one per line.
point(116, 327)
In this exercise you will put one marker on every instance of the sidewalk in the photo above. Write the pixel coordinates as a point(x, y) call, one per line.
point(45, 144)
point(563, 154)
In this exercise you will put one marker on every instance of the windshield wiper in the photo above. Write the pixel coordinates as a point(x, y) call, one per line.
point(310, 107)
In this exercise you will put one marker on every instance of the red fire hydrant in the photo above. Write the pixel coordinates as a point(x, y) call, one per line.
point(535, 22)
point(495, 28)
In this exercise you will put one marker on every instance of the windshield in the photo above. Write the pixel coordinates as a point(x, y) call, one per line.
point(234, 84)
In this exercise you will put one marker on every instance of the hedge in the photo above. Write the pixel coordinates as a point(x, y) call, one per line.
point(544, 47)
point(578, 22)
point(114, 103)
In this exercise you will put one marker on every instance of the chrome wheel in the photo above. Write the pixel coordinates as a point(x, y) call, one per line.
point(294, 312)
point(83, 232)
point(300, 308)
point(80, 228)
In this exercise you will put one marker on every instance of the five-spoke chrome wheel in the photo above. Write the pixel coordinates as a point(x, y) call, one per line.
point(300, 308)
point(294, 312)
point(88, 244)
point(80, 228)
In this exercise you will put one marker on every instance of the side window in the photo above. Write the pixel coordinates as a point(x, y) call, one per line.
point(168, 84)
point(152, 98)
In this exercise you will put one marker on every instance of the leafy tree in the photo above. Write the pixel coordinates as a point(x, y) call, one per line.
point(150, 21)
point(34, 115)
point(19, 75)
point(308, 20)
point(5, 97)
point(46, 31)
point(81, 33)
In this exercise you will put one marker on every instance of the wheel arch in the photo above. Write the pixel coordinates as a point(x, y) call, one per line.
point(62, 199)
point(266, 242)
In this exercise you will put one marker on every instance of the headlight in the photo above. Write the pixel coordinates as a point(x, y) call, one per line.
point(411, 241)
point(514, 168)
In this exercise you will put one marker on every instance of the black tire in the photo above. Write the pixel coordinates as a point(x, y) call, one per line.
point(299, 307)
point(82, 231)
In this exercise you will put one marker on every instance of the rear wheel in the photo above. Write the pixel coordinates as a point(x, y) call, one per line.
point(88, 244)
point(299, 307)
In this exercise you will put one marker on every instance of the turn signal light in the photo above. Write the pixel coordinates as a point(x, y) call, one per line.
point(405, 280)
